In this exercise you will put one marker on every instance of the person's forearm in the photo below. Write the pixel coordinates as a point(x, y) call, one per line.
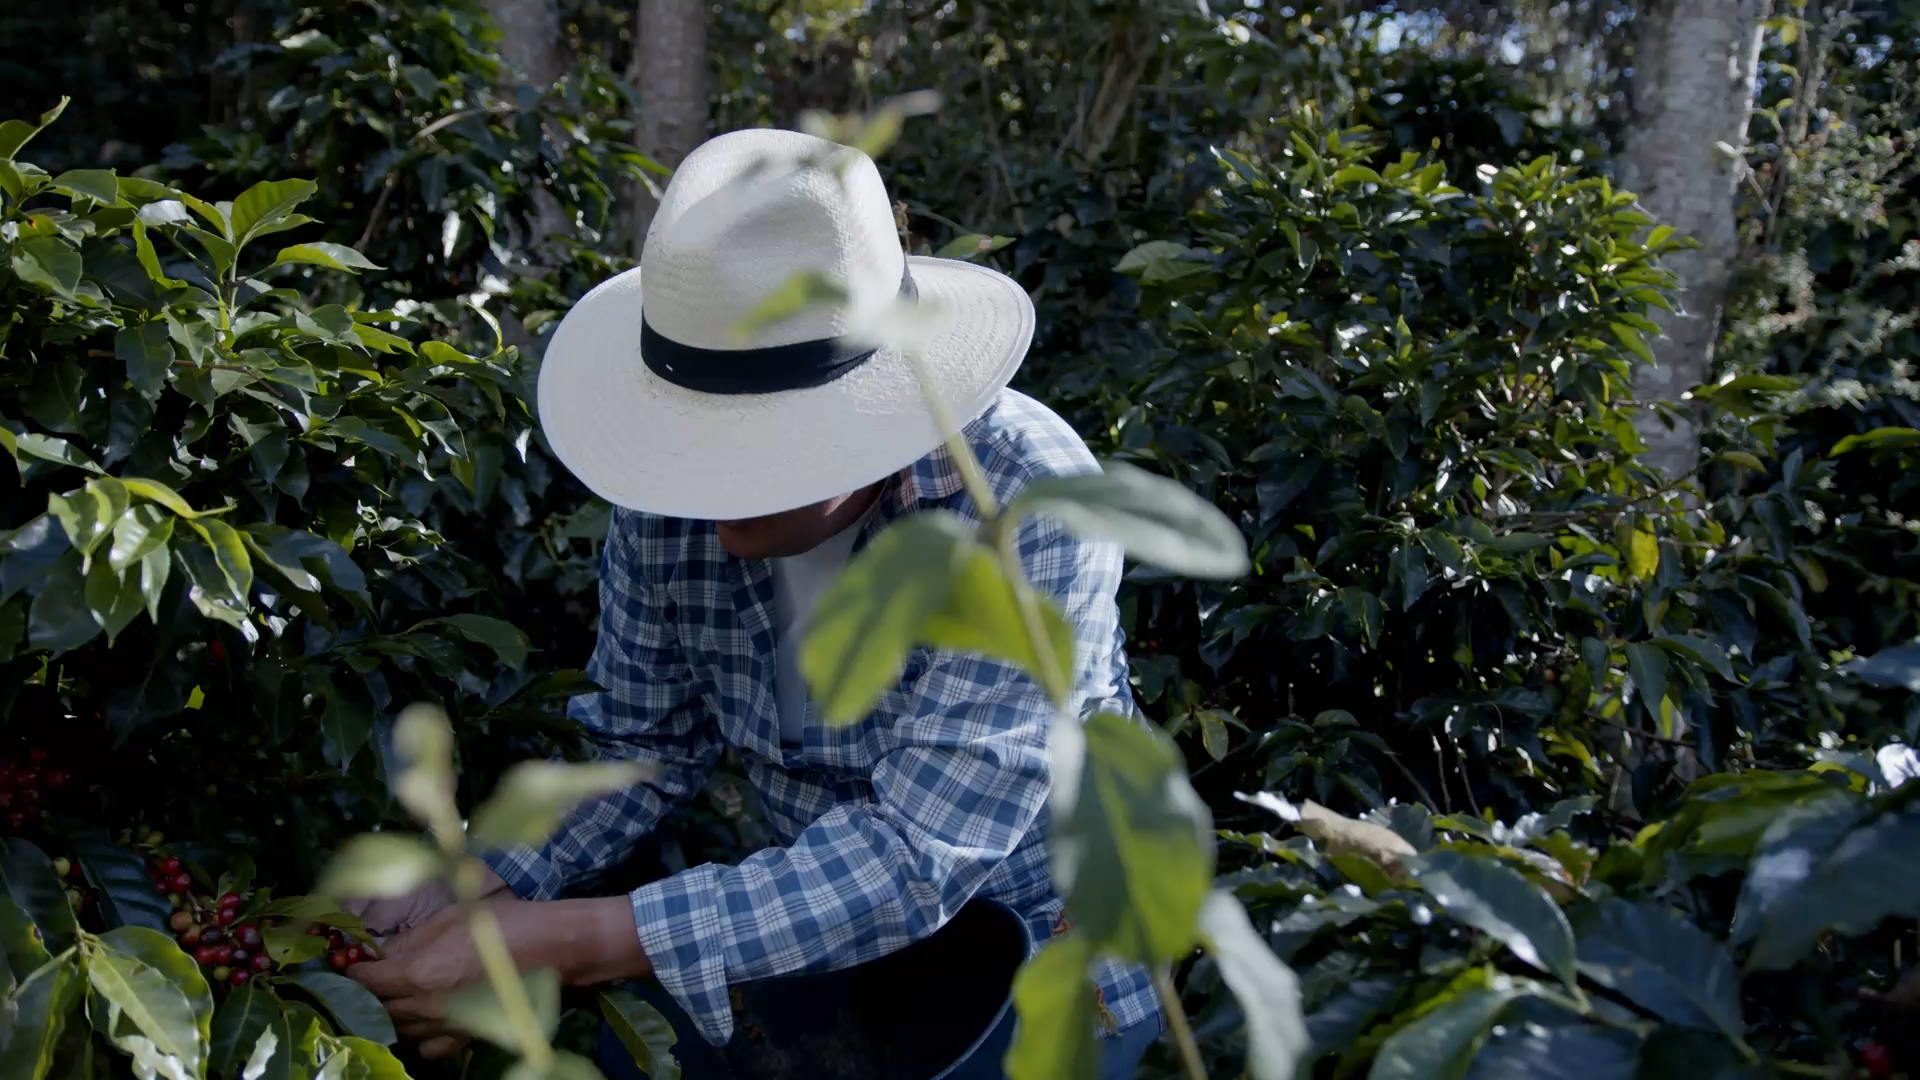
point(587, 941)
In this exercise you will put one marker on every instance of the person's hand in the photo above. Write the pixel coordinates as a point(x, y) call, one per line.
point(392, 915)
point(586, 941)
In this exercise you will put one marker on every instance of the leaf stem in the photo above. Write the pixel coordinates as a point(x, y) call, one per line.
point(507, 987)
point(1177, 1025)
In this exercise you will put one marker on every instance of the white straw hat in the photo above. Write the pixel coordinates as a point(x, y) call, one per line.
point(658, 402)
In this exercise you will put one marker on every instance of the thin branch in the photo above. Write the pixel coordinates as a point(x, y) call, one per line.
point(1177, 1025)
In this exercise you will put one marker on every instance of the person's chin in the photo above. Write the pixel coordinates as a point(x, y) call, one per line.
point(741, 540)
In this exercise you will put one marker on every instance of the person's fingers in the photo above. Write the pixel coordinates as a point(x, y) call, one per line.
point(430, 1008)
point(388, 979)
point(420, 1031)
point(444, 1046)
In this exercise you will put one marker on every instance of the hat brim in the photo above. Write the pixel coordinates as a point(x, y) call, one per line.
point(646, 444)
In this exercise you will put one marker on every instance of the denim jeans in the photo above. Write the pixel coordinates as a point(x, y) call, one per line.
point(937, 1010)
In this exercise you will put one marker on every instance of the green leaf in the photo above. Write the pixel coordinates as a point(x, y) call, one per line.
point(379, 864)
point(30, 881)
point(1648, 666)
point(1157, 520)
point(149, 258)
point(331, 256)
point(1897, 666)
point(1440, 1044)
point(230, 553)
point(972, 246)
point(867, 621)
point(289, 946)
point(158, 951)
point(265, 203)
point(1355, 174)
point(1632, 339)
point(100, 185)
point(646, 1034)
point(1882, 438)
point(1266, 988)
point(1700, 651)
point(796, 294)
point(89, 514)
point(1133, 845)
point(20, 941)
point(1566, 1052)
point(1643, 554)
point(1159, 262)
point(1647, 953)
point(43, 1003)
point(1501, 903)
point(60, 619)
point(113, 597)
point(119, 877)
point(14, 134)
point(48, 261)
point(155, 566)
point(1056, 1001)
point(534, 796)
point(501, 636)
point(378, 1062)
point(150, 1001)
point(154, 491)
point(1869, 875)
point(982, 615)
point(148, 353)
point(1213, 732)
point(477, 1008)
point(1683, 1053)
point(354, 1009)
point(143, 529)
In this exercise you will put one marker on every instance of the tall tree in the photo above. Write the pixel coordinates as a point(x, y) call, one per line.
point(530, 39)
point(1694, 67)
point(669, 72)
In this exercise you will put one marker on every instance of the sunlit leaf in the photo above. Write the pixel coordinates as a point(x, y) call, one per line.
point(321, 253)
point(1498, 901)
point(1157, 520)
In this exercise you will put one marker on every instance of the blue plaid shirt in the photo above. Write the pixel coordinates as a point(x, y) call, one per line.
point(885, 827)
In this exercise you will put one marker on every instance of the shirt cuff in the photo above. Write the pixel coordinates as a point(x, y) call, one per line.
point(683, 935)
point(528, 872)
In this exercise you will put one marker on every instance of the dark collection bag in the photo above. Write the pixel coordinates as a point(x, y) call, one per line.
point(939, 1009)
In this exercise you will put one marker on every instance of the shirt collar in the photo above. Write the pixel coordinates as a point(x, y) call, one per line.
point(934, 478)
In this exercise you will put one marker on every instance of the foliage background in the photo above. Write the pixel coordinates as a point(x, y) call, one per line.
point(1385, 649)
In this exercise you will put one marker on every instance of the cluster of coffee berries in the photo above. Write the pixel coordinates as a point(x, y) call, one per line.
point(25, 786)
point(230, 951)
point(74, 882)
point(342, 951)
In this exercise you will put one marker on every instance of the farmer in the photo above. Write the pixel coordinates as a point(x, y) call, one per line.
point(747, 467)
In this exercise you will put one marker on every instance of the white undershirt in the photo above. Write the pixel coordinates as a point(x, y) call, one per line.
point(798, 581)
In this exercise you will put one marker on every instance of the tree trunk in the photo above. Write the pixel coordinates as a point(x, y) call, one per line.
point(669, 71)
point(530, 39)
point(1694, 67)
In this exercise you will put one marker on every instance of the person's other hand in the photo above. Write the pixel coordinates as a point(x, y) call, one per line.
point(421, 967)
point(587, 941)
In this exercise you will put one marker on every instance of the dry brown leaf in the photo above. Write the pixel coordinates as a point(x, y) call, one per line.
point(1338, 834)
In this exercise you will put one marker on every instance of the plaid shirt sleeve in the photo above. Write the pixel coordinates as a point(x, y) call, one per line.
point(648, 712)
point(964, 780)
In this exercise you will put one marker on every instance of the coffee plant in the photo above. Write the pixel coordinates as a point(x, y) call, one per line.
point(206, 573)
